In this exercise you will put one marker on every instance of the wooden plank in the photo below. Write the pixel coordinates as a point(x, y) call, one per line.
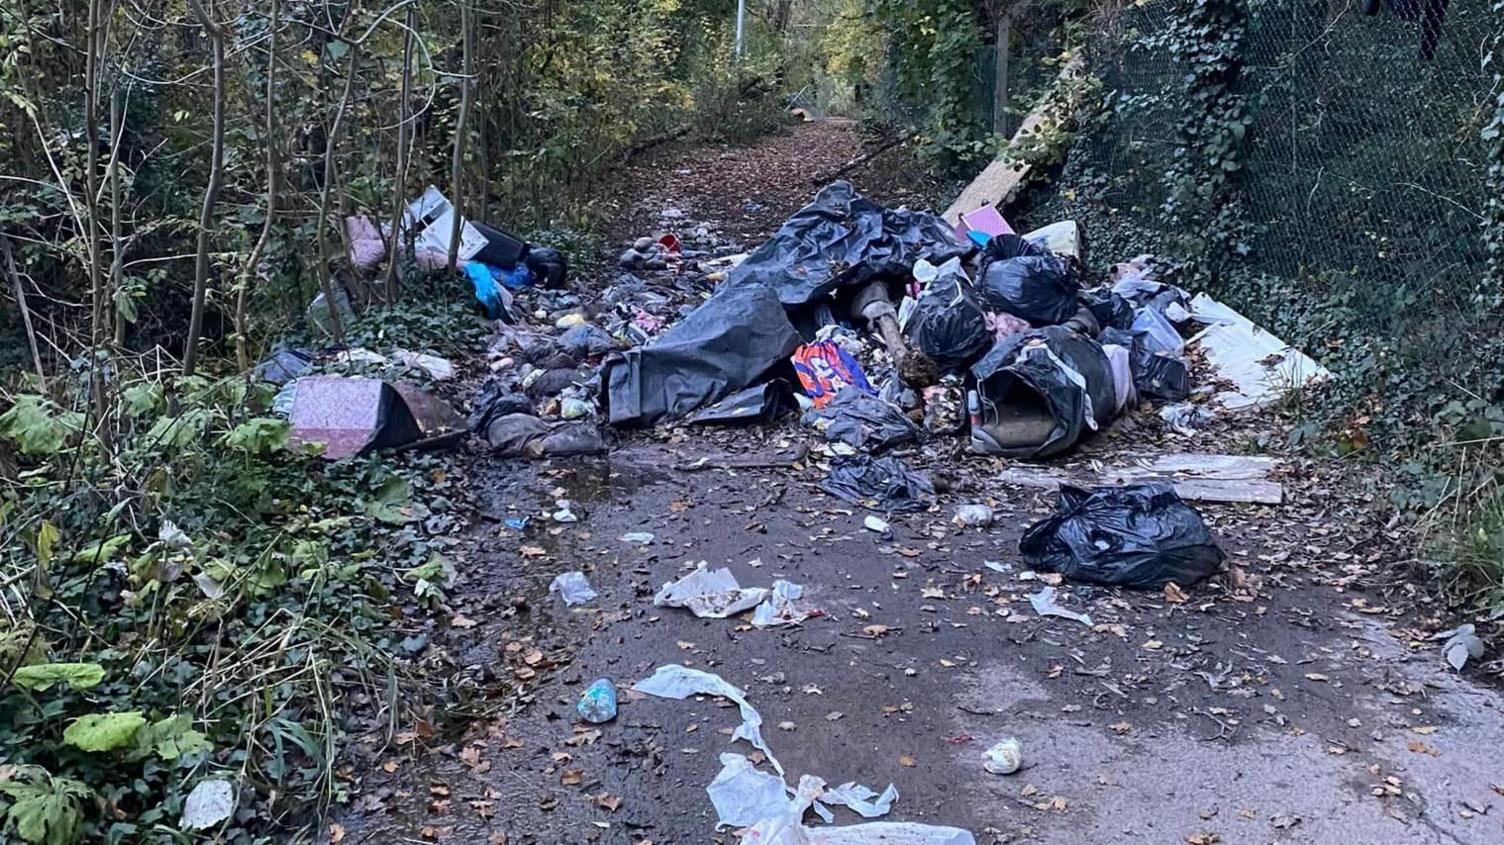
point(996, 184)
point(1234, 479)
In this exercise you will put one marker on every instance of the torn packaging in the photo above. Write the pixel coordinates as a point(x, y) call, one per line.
point(1137, 535)
point(729, 343)
point(843, 238)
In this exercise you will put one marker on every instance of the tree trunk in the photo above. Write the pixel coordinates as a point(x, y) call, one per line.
point(1000, 98)
point(273, 164)
point(329, 264)
point(211, 192)
point(97, 336)
point(457, 164)
point(399, 186)
point(31, 332)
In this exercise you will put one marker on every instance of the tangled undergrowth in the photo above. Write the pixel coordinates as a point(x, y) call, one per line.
point(189, 603)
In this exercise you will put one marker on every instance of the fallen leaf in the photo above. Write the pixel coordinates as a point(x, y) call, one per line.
point(786, 726)
point(572, 777)
point(533, 658)
point(932, 593)
point(1203, 839)
point(1121, 727)
point(608, 801)
point(336, 834)
point(906, 761)
point(459, 620)
point(583, 738)
point(1317, 677)
point(1175, 595)
point(1153, 645)
point(875, 630)
point(833, 715)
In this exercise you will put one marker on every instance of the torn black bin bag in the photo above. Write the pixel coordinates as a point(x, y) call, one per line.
point(284, 364)
point(1138, 535)
point(1037, 288)
point(762, 403)
point(498, 398)
point(728, 343)
point(863, 421)
point(948, 325)
point(843, 238)
point(1157, 376)
point(885, 484)
point(1003, 247)
point(1040, 391)
point(1110, 309)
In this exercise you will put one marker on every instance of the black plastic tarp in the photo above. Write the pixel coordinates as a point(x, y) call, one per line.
point(1041, 390)
point(1138, 535)
point(883, 483)
point(844, 238)
point(728, 343)
point(863, 421)
point(762, 403)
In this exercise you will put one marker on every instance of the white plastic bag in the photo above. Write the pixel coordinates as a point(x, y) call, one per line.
point(679, 682)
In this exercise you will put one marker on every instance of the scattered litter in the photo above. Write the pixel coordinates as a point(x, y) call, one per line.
point(876, 523)
point(641, 538)
point(572, 588)
point(973, 516)
point(1462, 643)
point(564, 511)
point(1045, 604)
point(998, 566)
point(679, 683)
point(881, 483)
point(597, 704)
point(742, 795)
point(1004, 758)
point(715, 594)
point(709, 594)
point(516, 523)
point(1139, 535)
point(438, 369)
point(860, 799)
point(210, 802)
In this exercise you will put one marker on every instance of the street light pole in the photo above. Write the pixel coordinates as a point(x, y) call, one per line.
point(741, 17)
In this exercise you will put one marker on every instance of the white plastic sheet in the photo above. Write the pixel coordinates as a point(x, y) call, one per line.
point(861, 799)
point(1045, 604)
point(709, 594)
point(715, 594)
point(572, 588)
point(743, 796)
point(679, 683)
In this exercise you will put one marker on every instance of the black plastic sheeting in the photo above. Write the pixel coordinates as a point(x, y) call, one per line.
point(1111, 310)
point(863, 422)
point(1028, 384)
point(1037, 288)
point(761, 403)
point(843, 238)
point(1157, 376)
point(948, 325)
point(882, 483)
point(1139, 535)
point(728, 343)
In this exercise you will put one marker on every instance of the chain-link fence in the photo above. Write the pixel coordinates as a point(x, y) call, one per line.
point(1363, 170)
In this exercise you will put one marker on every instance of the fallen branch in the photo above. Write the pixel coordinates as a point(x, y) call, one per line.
point(824, 178)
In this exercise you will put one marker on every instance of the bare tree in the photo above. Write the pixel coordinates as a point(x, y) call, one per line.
point(399, 184)
point(273, 164)
point(457, 164)
point(216, 35)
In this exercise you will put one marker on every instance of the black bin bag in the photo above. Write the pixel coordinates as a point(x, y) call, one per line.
point(1137, 535)
point(1037, 288)
point(948, 326)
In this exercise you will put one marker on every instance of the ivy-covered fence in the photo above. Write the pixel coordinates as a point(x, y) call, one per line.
point(1326, 169)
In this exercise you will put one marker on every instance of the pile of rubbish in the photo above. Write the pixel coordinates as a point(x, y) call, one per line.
point(889, 327)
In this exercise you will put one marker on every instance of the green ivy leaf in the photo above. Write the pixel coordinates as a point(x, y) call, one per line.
point(104, 731)
point(44, 676)
point(38, 426)
point(46, 811)
point(393, 502)
point(170, 738)
point(144, 398)
point(259, 436)
point(102, 551)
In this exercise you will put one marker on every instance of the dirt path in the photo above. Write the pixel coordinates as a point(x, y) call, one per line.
point(1279, 704)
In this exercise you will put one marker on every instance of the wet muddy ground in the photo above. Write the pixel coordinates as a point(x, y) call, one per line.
point(1286, 701)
